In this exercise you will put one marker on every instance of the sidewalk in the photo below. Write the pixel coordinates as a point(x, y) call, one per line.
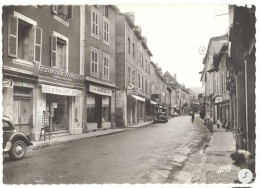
point(216, 164)
point(37, 145)
point(138, 125)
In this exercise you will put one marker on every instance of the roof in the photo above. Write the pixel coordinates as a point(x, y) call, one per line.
point(171, 78)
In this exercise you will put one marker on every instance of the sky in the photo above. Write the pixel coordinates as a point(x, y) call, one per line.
point(176, 32)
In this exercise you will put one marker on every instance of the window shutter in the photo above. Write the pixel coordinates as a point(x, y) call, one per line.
point(55, 9)
point(13, 36)
point(38, 45)
point(53, 51)
point(70, 12)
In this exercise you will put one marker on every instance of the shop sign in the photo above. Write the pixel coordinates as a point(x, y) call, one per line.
point(131, 90)
point(218, 99)
point(60, 74)
point(60, 90)
point(100, 90)
point(8, 83)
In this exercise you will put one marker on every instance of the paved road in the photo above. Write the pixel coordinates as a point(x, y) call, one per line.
point(150, 154)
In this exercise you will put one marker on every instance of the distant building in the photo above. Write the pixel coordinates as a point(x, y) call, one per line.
point(133, 69)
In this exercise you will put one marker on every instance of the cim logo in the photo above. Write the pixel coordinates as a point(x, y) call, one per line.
point(224, 169)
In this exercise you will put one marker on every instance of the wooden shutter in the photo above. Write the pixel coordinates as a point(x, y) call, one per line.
point(38, 45)
point(55, 9)
point(53, 51)
point(13, 36)
point(70, 12)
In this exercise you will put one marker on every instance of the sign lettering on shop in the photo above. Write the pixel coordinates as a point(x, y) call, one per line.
point(60, 90)
point(100, 90)
point(60, 74)
point(218, 99)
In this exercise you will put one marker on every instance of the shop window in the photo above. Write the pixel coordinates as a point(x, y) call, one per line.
point(91, 108)
point(106, 109)
point(106, 34)
point(94, 24)
point(106, 67)
point(59, 51)
point(94, 62)
point(24, 39)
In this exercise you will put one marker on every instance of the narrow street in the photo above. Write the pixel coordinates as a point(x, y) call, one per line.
point(150, 154)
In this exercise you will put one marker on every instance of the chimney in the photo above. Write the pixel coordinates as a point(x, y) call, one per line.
point(175, 76)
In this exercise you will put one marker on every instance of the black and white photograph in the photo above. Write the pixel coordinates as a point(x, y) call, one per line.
point(107, 93)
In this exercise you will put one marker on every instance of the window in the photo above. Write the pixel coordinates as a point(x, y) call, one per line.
point(142, 83)
point(106, 32)
point(106, 11)
point(106, 101)
point(139, 57)
point(63, 12)
point(133, 77)
point(94, 24)
point(129, 75)
point(142, 60)
point(24, 39)
point(139, 81)
point(59, 51)
point(146, 86)
point(94, 62)
point(133, 50)
point(148, 68)
point(129, 45)
point(106, 67)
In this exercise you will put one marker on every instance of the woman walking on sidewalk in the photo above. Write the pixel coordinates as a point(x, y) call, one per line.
point(192, 116)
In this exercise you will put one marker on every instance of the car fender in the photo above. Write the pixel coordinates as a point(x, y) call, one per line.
point(20, 136)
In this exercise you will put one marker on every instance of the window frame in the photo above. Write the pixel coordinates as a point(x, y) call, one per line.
point(95, 35)
point(91, 71)
point(58, 35)
point(106, 32)
point(17, 60)
point(106, 56)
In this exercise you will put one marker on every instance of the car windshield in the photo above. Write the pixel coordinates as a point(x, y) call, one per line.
point(7, 126)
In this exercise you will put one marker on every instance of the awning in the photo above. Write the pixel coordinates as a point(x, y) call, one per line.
point(60, 90)
point(153, 102)
point(138, 98)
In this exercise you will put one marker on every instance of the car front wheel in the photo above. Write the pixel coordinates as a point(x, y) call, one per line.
point(18, 150)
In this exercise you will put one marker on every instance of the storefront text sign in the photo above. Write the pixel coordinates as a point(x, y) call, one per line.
point(131, 89)
point(60, 90)
point(60, 74)
point(100, 90)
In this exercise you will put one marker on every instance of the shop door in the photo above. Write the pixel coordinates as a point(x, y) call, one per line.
point(22, 114)
point(99, 110)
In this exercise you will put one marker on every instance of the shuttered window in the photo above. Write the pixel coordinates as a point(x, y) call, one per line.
point(24, 40)
point(65, 12)
point(94, 62)
point(94, 24)
point(59, 51)
point(106, 67)
point(106, 34)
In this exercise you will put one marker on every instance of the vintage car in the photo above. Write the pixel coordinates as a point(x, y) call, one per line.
point(14, 143)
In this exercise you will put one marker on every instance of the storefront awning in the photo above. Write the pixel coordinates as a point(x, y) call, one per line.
point(60, 90)
point(138, 98)
point(153, 102)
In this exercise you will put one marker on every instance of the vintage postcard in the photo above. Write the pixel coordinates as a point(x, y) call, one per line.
point(106, 93)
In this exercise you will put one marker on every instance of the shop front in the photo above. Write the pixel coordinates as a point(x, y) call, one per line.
point(59, 97)
point(98, 108)
point(18, 91)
